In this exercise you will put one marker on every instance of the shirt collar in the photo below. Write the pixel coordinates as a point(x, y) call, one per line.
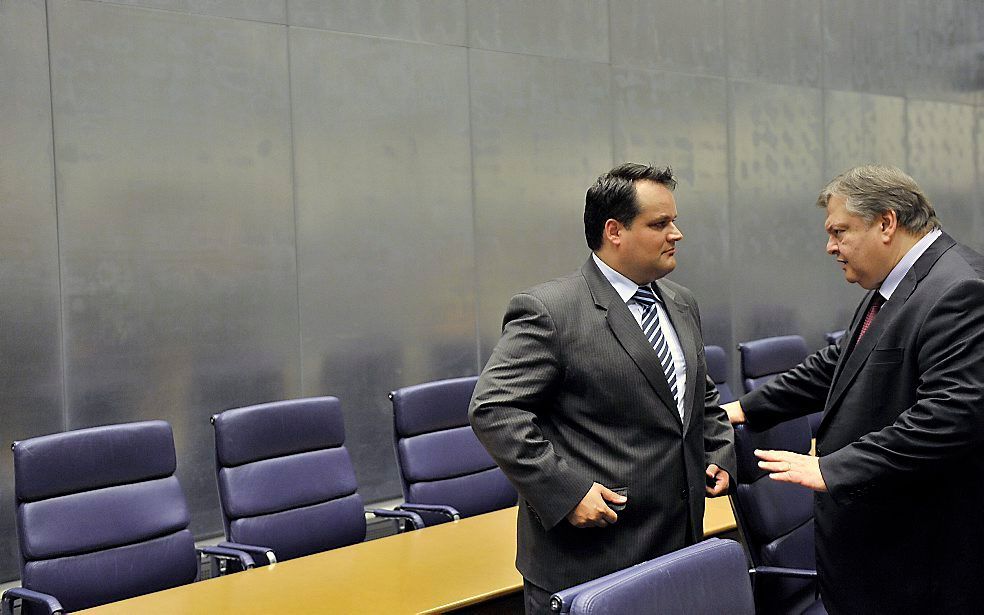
point(895, 276)
point(625, 287)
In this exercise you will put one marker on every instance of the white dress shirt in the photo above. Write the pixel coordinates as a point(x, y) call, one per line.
point(626, 288)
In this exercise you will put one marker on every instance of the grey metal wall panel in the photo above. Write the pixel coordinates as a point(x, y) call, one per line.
point(385, 229)
point(681, 120)
point(541, 134)
point(679, 36)
point(863, 47)
point(943, 50)
point(776, 41)
point(863, 129)
point(273, 11)
point(433, 21)
point(978, 200)
point(177, 229)
point(942, 160)
point(784, 283)
point(30, 354)
point(556, 28)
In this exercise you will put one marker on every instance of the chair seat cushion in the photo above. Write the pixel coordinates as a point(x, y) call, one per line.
point(432, 406)
point(244, 435)
point(469, 495)
point(292, 481)
point(305, 530)
point(85, 459)
point(443, 454)
point(82, 581)
point(102, 518)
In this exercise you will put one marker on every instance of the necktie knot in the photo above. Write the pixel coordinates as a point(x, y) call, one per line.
point(645, 297)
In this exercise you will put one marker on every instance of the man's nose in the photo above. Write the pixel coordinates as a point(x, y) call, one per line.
point(831, 246)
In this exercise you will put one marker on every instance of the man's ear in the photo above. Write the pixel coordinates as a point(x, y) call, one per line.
point(613, 231)
point(888, 223)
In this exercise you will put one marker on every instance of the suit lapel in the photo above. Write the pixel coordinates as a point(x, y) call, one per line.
point(679, 313)
point(849, 366)
point(628, 333)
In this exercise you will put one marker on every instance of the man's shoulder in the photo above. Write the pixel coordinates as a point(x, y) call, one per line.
point(973, 260)
point(565, 288)
point(679, 290)
point(955, 266)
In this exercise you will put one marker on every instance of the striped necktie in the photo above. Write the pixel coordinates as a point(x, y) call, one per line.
point(654, 333)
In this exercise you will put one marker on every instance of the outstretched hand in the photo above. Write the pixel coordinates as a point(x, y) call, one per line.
point(789, 467)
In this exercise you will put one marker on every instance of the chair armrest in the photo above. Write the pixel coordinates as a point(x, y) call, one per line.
point(415, 521)
point(796, 573)
point(442, 509)
point(245, 559)
point(257, 553)
point(46, 601)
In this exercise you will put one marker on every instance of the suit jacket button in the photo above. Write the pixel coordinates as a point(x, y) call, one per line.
point(684, 493)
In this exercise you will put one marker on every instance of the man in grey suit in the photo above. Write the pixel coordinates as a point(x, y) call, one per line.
point(595, 402)
point(900, 450)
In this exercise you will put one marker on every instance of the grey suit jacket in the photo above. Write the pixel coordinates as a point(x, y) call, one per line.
point(901, 444)
point(574, 394)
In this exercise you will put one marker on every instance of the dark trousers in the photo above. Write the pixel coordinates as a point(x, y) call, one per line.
point(536, 599)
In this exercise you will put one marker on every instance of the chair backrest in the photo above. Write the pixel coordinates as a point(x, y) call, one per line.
point(717, 371)
point(775, 518)
point(707, 578)
point(440, 459)
point(285, 477)
point(763, 359)
point(100, 515)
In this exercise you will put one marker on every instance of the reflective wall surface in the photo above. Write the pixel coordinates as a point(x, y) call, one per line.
point(208, 204)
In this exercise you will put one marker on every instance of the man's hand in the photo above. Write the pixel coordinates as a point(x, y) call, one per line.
point(592, 510)
point(721, 481)
point(788, 467)
point(735, 413)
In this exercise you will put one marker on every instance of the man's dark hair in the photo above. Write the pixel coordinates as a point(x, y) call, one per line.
point(613, 196)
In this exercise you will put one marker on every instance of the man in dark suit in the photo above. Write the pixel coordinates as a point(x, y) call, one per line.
point(596, 398)
point(899, 510)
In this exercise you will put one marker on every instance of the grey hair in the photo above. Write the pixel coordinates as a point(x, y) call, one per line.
point(871, 190)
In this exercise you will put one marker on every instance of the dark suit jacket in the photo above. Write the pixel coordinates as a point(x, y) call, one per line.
point(901, 444)
point(574, 394)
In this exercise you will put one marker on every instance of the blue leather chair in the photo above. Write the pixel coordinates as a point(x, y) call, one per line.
point(101, 517)
point(445, 470)
point(764, 359)
point(286, 479)
point(708, 578)
point(717, 371)
point(776, 522)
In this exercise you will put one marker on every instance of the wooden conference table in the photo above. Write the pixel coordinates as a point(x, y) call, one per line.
point(432, 570)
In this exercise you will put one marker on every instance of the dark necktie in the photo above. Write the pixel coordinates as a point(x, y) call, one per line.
point(869, 317)
point(654, 333)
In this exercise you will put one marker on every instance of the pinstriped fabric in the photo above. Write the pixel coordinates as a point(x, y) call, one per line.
point(573, 394)
point(654, 333)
